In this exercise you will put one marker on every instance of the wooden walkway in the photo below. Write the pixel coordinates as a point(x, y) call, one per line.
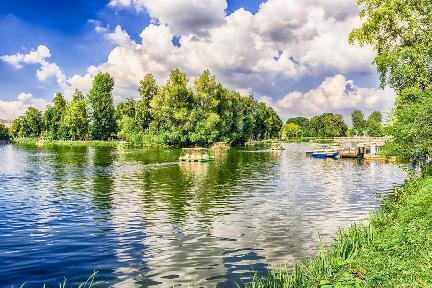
point(378, 141)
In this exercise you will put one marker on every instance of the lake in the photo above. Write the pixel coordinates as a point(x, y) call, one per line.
point(140, 218)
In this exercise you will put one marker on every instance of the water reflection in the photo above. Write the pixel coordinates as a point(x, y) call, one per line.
point(141, 218)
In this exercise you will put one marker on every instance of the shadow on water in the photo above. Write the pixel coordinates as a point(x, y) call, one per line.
point(142, 219)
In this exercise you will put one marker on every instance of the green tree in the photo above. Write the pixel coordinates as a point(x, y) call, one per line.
point(4, 133)
point(53, 117)
point(411, 124)
point(103, 123)
point(358, 121)
point(400, 32)
point(328, 125)
point(374, 125)
point(290, 130)
point(147, 90)
point(303, 122)
point(376, 116)
point(207, 120)
point(75, 120)
point(171, 110)
point(31, 124)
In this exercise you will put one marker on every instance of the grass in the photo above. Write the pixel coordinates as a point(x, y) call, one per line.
point(89, 283)
point(393, 250)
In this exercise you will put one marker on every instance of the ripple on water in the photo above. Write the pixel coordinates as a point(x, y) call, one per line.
point(141, 219)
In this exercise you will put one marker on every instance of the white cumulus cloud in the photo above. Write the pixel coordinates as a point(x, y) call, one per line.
point(10, 110)
point(182, 16)
point(335, 94)
point(283, 42)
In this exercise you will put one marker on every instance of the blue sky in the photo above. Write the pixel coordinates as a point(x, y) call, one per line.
point(82, 33)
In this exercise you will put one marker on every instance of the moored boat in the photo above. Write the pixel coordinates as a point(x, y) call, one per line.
point(276, 146)
point(196, 155)
point(325, 154)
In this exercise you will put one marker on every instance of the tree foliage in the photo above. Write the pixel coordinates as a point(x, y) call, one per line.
point(52, 118)
point(4, 133)
point(411, 124)
point(75, 122)
point(400, 32)
point(206, 112)
point(327, 125)
point(102, 109)
point(175, 114)
point(358, 122)
point(28, 125)
point(290, 130)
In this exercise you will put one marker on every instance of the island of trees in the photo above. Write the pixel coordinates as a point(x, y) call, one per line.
point(174, 114)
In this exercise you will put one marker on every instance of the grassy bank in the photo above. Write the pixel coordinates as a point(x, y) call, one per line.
point(393, 250)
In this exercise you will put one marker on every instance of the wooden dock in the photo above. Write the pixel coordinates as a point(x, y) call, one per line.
point(360, 147)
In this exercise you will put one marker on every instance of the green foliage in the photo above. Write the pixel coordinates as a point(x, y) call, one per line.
point(357, 118)
point(290, 130)
point(52, 118)
point(411, 124)
point(75, 121)
point(400, 32)
point(174, 114)
point(179, 115)
point(4, 133)
point(374, 127)
point(393, 250)
point(103, 123)
point(327, 125)
point(29, 125)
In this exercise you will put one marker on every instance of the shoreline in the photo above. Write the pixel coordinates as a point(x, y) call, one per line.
point(391, 250)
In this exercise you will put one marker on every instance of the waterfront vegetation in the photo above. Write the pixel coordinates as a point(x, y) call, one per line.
point(392, 250)
point(333, 125)
point(174, 114)
point(4, 133)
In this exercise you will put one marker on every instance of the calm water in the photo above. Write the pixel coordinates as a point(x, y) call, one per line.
point(140, 218)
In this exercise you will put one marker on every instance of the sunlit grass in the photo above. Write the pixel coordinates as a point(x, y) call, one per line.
point(89, 283)
point(393, 250)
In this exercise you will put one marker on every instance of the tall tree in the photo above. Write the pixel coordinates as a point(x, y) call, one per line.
point(358, 121)
point(290, 130)
point(147, 90)
point(102, 107)
point(400, 32)
point(75, 121)
point(53, 116)
point(171, 109)
point(31, 124)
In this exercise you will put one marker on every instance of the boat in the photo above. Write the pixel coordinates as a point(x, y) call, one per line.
point(220, 146)
point(325, 154)
point(276, 146)
point(196, 155)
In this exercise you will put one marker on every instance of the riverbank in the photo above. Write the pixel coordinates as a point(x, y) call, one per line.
point(32, 141)
point(393, 250)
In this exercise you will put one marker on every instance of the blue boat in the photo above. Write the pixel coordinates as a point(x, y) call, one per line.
point(325, 154)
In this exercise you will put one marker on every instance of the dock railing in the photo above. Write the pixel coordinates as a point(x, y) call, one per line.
point(379, 141)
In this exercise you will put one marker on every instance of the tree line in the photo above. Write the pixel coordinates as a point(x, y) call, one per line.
point(174, 114)
point(400, 32)
point(333, 125)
